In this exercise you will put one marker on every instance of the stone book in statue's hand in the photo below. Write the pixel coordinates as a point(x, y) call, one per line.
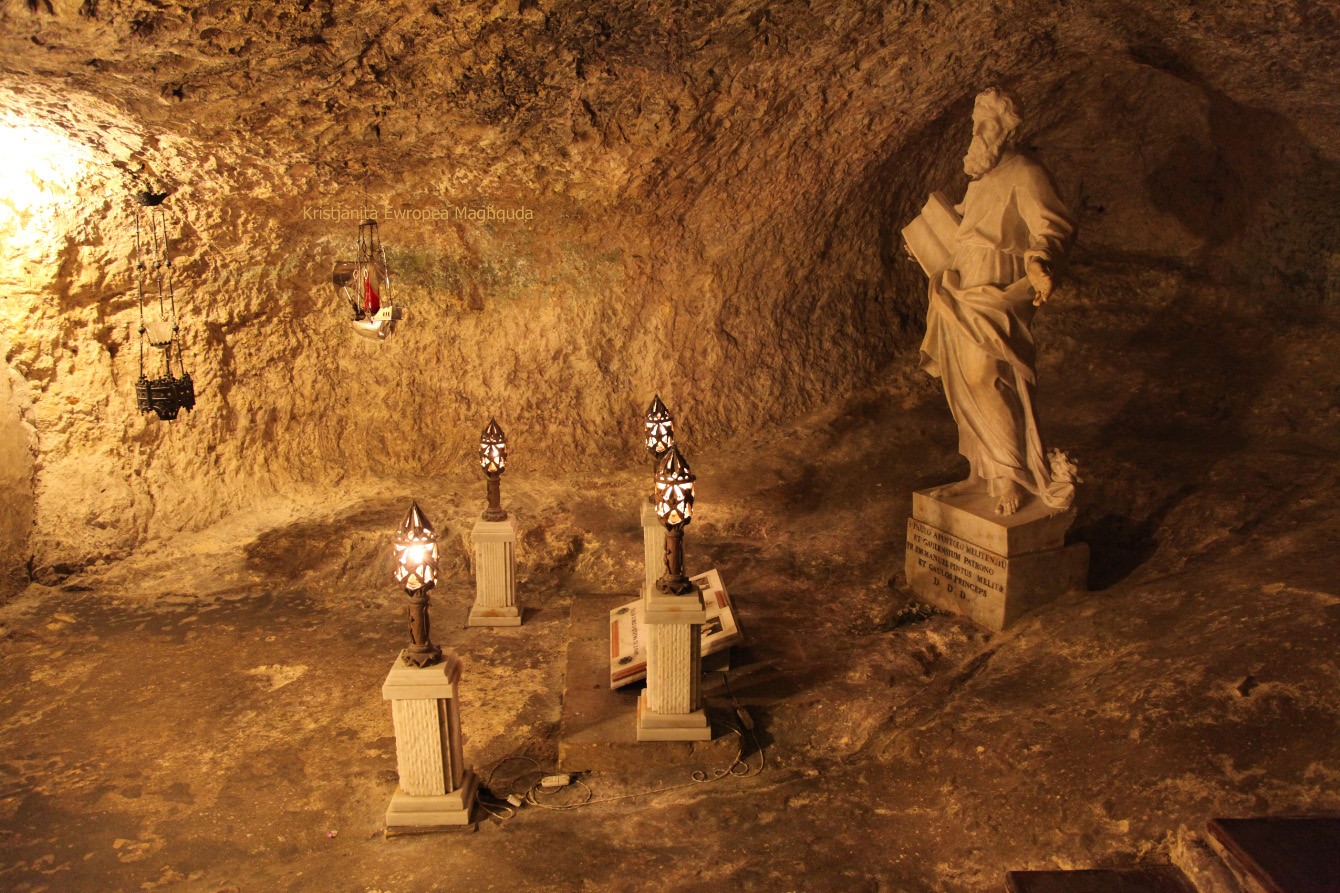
point(930, 238)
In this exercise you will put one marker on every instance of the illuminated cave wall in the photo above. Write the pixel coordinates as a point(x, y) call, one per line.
point(714, 193)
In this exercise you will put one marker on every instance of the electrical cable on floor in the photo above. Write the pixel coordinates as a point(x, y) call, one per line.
point(501, 810)
point(558, 781)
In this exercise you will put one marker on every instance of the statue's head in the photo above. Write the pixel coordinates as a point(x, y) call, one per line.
point(995, 121)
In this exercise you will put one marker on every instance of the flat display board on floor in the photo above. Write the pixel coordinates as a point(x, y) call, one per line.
point(628, 632)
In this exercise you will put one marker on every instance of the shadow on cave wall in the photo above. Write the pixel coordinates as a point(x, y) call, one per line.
point(1240, 190)
point(1119, 544)
point(1194, 381)
point(923, 161)
point(351, 547)
point(1261, 198)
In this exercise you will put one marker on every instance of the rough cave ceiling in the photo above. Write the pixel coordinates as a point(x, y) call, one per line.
point(715, 191)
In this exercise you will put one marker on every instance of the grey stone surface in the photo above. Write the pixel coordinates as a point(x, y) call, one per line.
point(214, 704)
point(482, 616)
point(653, 545)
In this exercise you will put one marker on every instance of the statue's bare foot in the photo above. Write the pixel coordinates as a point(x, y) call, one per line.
point(1011, 497)
point(973, 484)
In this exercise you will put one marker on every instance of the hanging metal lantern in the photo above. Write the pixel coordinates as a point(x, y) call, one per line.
point(167, 394)
point(365, 284)
point(493, 459)
point(416, 570)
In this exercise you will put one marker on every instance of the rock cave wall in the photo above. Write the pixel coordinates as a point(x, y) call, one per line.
point(714, 193)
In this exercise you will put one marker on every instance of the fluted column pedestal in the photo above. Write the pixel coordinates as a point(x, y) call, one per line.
point(435, 788)
point(653, 548)
point(670, 709)
point(495, 574)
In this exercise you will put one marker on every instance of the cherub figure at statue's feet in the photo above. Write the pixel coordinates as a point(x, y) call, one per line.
point(973, 484)
point(1011, 497)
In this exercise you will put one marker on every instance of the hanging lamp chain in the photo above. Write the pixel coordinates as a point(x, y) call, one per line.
point(172, 299)
point(139, 284)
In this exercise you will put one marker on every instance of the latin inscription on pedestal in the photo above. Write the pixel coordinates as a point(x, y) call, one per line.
point(960, 567)
point(955, 570)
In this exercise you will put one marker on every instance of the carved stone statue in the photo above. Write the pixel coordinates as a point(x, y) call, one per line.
point(991, 261)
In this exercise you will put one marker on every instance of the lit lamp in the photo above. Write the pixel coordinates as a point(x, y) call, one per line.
point(494, 537)
point(436, 788)
point(493, 459)
point(674, 506)
point(659, 430)
point(670, 709)
point(416, 570)
point(365, 283)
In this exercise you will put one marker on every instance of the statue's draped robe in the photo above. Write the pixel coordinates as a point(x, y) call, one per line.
point(978, 340)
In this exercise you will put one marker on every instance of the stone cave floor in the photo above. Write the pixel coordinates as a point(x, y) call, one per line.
point(206, 715)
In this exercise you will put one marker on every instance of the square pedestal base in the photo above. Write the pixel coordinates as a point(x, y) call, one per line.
point(671, 727)
point(594, 733)
point(505, 616)
point(964, 558)
point(408, 811)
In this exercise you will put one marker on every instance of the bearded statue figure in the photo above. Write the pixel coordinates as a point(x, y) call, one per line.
point(998, 267)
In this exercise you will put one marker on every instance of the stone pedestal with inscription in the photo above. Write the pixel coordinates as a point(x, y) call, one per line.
point(653, 547)
point(495, 574)
point(670, 708)
point(963, 557)
point(435, 786)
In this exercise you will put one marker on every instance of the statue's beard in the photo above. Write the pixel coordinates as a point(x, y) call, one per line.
point(982, 156)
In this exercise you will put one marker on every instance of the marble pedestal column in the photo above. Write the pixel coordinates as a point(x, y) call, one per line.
point(670, 708)
point(495, 574)
point(653, 547)
point(435, 788)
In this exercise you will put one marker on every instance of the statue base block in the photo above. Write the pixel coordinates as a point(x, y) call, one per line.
point(964, 558)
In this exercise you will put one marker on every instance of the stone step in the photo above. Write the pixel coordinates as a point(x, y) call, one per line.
point(1281, 854)
point(1151, 879)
